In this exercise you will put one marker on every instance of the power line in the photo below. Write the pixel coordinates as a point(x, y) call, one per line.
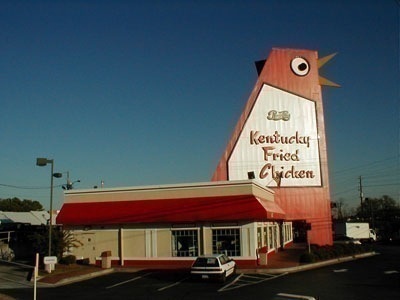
point(368, 165)
point(28, 187)
point(384, 184)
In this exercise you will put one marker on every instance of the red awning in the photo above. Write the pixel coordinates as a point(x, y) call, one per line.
point(223, 208)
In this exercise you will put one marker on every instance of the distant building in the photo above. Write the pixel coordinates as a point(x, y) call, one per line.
point(31, 217)
point(16, 228)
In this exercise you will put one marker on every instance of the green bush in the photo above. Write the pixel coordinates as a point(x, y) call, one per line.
point(324, 252)
point(339, 250)
point(320, 253)
point(68, 260)
point(84, 261)
point(308, 258)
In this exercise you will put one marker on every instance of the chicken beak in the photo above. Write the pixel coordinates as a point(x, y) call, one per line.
point(323, 81)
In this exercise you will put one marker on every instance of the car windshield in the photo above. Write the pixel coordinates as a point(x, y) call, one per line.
point(206, 262)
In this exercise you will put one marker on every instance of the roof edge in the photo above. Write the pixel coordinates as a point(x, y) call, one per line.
point(170, 191)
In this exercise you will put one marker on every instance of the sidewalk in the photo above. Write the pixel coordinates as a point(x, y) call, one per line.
point(280, 262)
point(71, 275)
point(286, 258)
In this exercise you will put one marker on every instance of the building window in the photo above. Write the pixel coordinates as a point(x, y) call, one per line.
point(185, 243)
point(271, 237)
point(265, 234)
point(226, 241)
point(259, 237)
point(288, 234)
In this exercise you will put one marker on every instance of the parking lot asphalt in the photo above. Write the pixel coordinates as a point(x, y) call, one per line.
point(284, 261)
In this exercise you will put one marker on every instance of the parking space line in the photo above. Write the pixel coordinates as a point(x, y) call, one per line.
point(172, 285)
point(391, 272)
point(340, 271)
point(247, 281)
point(126, 281)
point(241, 282)
point(260, 276)
point(232, 283)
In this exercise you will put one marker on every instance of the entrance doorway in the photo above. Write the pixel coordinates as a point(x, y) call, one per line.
point(300, 231)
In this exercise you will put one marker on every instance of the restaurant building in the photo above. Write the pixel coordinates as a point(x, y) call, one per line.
point(172, 224)
point(270, 188)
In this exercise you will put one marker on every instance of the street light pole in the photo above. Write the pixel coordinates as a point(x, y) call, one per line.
point(51, 205)
point(41, 162)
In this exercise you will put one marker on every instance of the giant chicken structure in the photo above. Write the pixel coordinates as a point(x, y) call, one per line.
point(280, 140)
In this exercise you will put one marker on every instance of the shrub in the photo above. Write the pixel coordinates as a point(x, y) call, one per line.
point(7, 254)
point(84, 261)
point(339, 250)
point(319, 253)
point(68, 260)
point(308, 258)
point(324, 252)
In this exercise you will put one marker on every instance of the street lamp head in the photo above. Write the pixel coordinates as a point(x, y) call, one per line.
point(57, 175)
point(69, 185)
point(41, 162)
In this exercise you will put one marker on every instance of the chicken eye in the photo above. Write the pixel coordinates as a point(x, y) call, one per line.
point(300, 66)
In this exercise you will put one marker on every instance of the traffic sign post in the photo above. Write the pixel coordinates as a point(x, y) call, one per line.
point(49, 263)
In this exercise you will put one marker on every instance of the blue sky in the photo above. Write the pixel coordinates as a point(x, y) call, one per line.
point(148, 92)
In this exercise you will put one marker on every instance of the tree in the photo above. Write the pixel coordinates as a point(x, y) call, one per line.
point(382, 213)
point(16, 205)
point(61, 241)
point(340, 210)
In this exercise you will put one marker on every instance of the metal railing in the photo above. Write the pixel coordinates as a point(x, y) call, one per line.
point(5, 236)
point(32, 274)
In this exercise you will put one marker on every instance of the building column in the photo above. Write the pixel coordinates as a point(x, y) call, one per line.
point(121, 246)
point(281, 229)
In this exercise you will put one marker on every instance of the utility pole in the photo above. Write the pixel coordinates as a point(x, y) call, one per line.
point(361, 195)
